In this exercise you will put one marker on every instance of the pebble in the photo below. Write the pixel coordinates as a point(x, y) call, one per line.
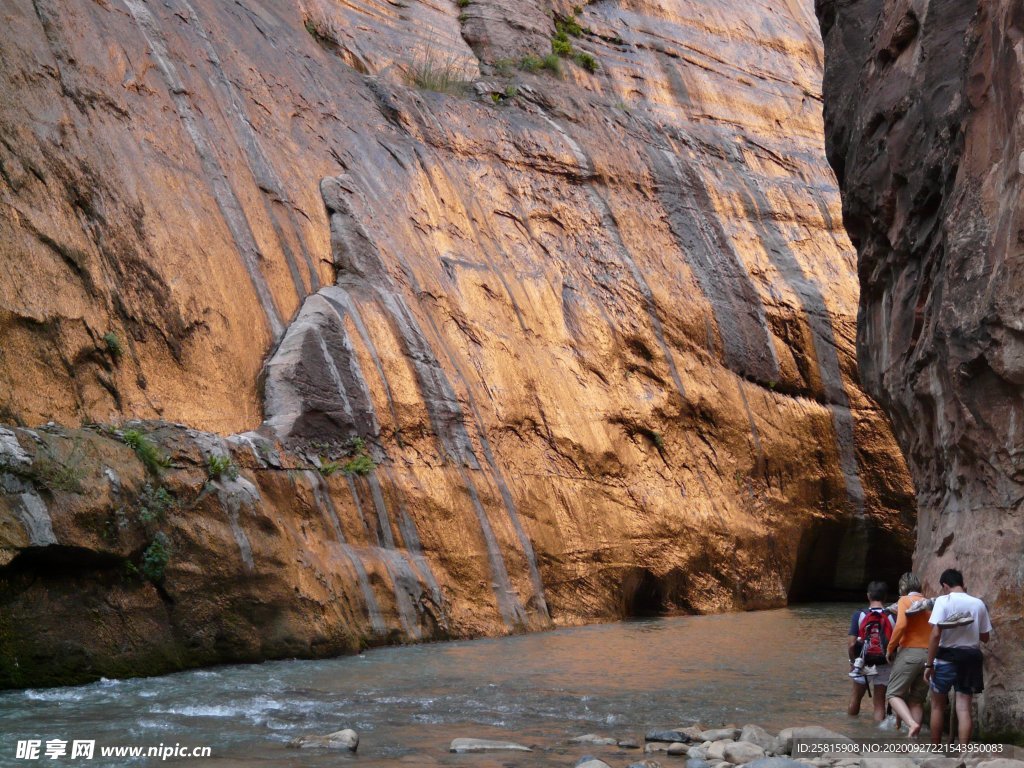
point(593, 738)
point(485, 745)
point(344, 739)
point(717, 734)
point(941, 762)
point(755, 734)
point(783, 744)
point(887, 762)
point(775, 762)
point(669, 736)
point(716, 751)
point(740, 752)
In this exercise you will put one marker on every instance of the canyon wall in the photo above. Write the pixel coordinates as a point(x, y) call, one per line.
point(430, 336)
point(925, 125)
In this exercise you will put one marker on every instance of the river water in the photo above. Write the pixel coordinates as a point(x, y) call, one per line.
point(775, 668)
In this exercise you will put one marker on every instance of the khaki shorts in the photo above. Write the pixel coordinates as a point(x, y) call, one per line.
point(907, 677)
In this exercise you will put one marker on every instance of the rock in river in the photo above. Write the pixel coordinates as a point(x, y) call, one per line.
point(344, 739)
point(485, 745)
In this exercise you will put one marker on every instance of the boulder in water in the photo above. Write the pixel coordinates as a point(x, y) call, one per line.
point(591, 762)
point(677, 748)
point(629, 744)
point(645, 764)
point(593, 738)
point(485, 745)
point(783, 744)
point(668, 736)
point(344, 739)
point(716, 752)
point(888, 761)
point(755, 734)
point(717, 734)
point(740, 752)
point(696, 762)
point(775, 762)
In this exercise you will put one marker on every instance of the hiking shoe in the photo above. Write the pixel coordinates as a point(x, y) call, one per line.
point(870, 671)
point(958, 619)
point(924, 604)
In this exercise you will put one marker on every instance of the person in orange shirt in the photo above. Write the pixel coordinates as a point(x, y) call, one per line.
point(907, 688)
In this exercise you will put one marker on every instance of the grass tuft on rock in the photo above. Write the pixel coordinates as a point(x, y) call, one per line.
point(218, 466)
point(441, 73)
point(148, 453)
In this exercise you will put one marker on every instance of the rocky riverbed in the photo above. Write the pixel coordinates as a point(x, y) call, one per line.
point(752, 746)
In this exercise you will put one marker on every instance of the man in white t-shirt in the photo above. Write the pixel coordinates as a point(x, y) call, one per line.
point(960, 624)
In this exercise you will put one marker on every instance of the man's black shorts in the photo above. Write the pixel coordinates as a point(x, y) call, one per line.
point(962, 672)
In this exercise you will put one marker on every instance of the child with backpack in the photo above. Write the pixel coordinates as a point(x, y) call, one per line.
point(867, 645)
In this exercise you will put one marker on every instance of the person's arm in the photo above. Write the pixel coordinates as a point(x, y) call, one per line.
point(898, 630)
point(933, 649)
point(851, 647)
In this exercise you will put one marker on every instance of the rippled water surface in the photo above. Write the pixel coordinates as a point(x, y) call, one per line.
point(775, 668)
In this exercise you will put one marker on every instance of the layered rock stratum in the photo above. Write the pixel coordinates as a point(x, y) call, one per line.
point(541, 349)
point(925, 124)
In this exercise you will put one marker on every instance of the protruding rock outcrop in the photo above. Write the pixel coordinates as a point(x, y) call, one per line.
point(923, 106)
point(537, 338)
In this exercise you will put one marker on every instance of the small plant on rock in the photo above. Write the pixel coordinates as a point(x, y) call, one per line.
point(221, 466)
point(586, 60)
point(328, 468)
point(155, 558)
point(154, 504)
point(531, 63)
point(433, 71)
point(114, 346)
point(360, 463)
point(147, 452)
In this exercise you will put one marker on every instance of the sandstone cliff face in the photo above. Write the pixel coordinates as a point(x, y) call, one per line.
point(924, 106)
point(595, 330)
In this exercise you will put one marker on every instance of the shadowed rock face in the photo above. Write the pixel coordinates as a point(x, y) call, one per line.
point(595, 330)
point(924, 105)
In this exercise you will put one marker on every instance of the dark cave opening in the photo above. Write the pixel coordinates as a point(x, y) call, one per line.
point(837, 558)
point(643, 594)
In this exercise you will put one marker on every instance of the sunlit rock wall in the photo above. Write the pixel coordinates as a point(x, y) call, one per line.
point(925, 120)
point(596, 329)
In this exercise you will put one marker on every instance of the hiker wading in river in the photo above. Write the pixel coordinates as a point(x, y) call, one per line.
point(907, 689)
point(870, 630)
point(960, 624)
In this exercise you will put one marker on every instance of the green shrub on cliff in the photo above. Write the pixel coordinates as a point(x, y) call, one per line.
point(360, 463)
point(221, 466)
point(154, 503)
point(147, 452)
point(440, 73)
point(155, 558)
point(114, 346)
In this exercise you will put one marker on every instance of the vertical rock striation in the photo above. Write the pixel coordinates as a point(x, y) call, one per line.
point(924, 107)
point(516, 349)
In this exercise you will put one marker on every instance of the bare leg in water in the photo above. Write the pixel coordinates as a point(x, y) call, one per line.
point(907, 714)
